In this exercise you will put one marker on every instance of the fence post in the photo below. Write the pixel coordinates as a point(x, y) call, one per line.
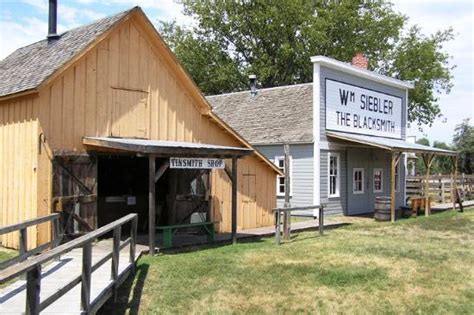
point(321, 220)
point(277, 227)
point(33, 288)
point(86, 277)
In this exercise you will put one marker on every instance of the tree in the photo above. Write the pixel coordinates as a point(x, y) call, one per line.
point(464, 143)
point(420, 165)
point(275, 39)
point(442, 164)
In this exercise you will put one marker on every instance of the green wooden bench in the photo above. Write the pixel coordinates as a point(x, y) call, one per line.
point(169, 230)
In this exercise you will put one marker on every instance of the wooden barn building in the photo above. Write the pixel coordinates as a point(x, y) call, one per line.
point(87, 115)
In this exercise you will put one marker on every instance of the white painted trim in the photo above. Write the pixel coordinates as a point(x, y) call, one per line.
point(338, 176)
point(316, 136)
point(366, 74)
point(356, 169)
point(276, 160)
point(381, 180)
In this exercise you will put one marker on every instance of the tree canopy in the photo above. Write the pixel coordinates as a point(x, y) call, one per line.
point(464, 143)
point(275, 39)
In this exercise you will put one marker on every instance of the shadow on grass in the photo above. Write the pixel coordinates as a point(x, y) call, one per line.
point(129, 294)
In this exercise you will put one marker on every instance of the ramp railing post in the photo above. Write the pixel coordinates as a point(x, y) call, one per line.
point(33, 288)
point(86, 277)
point(133, 239)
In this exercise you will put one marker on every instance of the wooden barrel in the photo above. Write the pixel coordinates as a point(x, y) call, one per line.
point(382, 209)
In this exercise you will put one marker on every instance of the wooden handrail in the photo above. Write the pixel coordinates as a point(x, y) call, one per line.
point(32, 267)
point(298, 208)
point(21, 227)
point(278, 212)
point(28, 223)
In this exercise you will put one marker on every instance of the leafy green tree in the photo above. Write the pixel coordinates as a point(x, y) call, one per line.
point(420, 167)
point(464, 143)
point(275, 39)
point(442, 164)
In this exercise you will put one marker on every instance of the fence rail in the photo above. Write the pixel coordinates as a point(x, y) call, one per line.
point(440, 187)
point(32, 267)
point(279, 211)
point(22, 227)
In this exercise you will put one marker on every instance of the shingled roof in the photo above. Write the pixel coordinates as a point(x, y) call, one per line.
point(27, 67)
point(274, 115)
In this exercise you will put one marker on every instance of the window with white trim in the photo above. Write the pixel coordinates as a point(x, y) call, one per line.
point(358, 180)
point(280, 163)
point(333, 174)
point(378, 180)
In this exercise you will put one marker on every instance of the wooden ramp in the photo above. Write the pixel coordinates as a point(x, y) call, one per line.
point(77, 277)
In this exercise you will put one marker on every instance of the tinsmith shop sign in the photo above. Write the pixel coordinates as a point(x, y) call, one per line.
point(357, 110)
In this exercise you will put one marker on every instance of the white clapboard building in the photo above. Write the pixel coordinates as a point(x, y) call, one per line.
point(344, 129)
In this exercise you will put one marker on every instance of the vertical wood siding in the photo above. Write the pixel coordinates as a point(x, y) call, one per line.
point(18, 166)
point(124, 87)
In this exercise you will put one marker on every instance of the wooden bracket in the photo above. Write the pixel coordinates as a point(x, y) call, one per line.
point(161, 170)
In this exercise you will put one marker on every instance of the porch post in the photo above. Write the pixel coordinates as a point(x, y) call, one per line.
point(286, 214)
point(394, 161)
point(427, 159)
point(151, 204)
point(454, 179)
point(392, 187)
point(234, 200)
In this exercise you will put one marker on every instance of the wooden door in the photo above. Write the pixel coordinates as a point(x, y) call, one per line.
point(129, 114)
point(249, 201)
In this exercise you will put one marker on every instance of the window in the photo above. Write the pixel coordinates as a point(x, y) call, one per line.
point(358, 180)
point(378, 180)
point(333, 174)
point(280, 163)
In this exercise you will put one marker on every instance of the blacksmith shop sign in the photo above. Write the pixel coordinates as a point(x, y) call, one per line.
point(354, 109)
point(196, 163)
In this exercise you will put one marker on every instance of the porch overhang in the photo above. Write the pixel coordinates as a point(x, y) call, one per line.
point(393, 145)
point(159, 148)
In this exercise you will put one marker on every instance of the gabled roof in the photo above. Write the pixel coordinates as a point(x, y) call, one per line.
point(27, 67)
point(274, 115)
point(363, 73)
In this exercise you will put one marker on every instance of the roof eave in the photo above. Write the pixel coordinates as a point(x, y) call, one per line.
point(338, 65)
point(18, 94)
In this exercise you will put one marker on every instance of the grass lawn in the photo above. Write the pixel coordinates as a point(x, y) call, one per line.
point(423, 265)
point(6, 254)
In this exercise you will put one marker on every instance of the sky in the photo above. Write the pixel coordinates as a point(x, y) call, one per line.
point(23, 22)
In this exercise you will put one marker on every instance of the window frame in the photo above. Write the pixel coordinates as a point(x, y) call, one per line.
point(362, 170)
point(276, 160)
point(337, 155)
point(381, 180)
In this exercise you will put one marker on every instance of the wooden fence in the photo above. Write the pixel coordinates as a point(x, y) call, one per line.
point(440, 187)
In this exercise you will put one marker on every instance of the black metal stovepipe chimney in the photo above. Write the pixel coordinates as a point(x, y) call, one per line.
point(52, 20)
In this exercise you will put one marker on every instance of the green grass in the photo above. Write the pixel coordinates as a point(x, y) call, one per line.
point(423, 265)
point(6, 254)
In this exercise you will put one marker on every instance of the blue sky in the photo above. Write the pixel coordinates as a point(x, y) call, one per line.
point(25, 21)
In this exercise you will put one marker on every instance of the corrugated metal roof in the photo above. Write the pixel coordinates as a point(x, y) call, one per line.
point(389, 144)
point(27, 67)
point(159, 146)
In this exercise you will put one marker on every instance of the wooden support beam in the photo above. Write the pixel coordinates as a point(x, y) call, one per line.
point(427, 160)
point(161, 170)
point(286, 215)
point(394, 161)
point(151, 203)
point(234, 200)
